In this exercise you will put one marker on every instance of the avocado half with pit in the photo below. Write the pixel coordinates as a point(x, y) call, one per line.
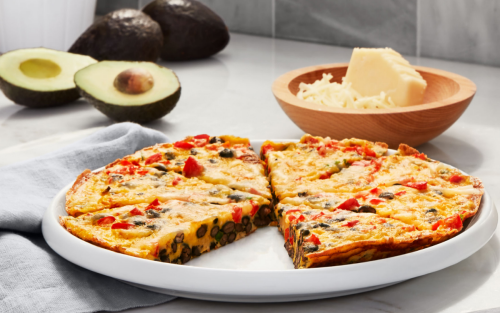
point(129, 91)
point(41, 77)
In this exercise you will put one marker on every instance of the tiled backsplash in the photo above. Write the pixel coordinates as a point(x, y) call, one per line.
point(462, 30)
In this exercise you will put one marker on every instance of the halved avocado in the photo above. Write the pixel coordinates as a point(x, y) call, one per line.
point(129, 91)
point(40, 77)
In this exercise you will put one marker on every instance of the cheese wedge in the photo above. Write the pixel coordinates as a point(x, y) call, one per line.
point(372, 71)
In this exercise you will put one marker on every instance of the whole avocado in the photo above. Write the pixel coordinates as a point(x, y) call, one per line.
point(122, 35)
point(190, 29)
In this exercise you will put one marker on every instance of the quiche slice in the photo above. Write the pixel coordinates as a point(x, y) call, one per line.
point(424, 209)
point(407, 167)
point(108, 189)
point(172, 231)
point(292, 164)
point(225, 160)
point(314, 238)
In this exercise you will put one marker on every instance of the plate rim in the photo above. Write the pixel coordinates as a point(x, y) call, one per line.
point(266, 284)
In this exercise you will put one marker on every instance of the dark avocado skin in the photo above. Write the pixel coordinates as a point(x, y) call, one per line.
point(139, 113)
point(122, 35)
point(191, 30)
point(37, 99)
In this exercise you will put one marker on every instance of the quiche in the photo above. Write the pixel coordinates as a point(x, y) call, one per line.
point(335, 202)
point(172, 231)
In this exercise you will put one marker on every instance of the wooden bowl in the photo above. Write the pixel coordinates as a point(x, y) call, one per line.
point(446, 97)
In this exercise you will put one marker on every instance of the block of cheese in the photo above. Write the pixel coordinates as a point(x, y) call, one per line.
point(372, 71)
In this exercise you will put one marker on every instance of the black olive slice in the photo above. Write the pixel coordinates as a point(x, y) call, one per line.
point(169, 155)
point(431, 210)
point(367, 209)
point(236, 197)
point(248, 228)
point(186, 254)
point(152, 213)
point(174, 247)
point(216, 140)
point(226, 153)
point(160, 167)
point(386, 195)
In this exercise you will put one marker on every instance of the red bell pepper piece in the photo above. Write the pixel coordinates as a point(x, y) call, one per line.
point(291, 218)
point(192, 168)
point(122, 226)
point(325, 175)
point(143, 172)
point(301, 218)
point(183, 145)
point(369, 152)
point(456, 179)
point(136, 211)
point(106, 220)
point(420, 156)
point(267, 148)
point(375, 191)
point(313, 239)
point(176, 181)
point(293, 210)
point(350, 204)
point(202, 136)
point(154, 205)
point(153, 158)
point(351, 223)
point(419, 185)
point(316, 216)
point(237, 212)
point(452, 222)
point(376, 201)
point(400, 193)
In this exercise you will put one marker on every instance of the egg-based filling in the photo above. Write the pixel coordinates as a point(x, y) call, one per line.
point(172, 231)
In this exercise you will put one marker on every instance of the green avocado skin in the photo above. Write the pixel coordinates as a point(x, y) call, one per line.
point(139, 113)
point(37, 99)
point(122, 35)
point(190, 29)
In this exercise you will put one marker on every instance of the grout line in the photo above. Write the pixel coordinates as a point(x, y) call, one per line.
point(273, 18)
point(419, 41)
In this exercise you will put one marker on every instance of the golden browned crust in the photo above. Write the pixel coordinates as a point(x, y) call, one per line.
point(382, 144)
point(405, 150)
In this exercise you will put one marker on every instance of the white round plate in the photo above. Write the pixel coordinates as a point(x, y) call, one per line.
point(258, 269)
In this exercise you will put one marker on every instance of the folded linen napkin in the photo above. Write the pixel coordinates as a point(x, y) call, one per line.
point(33, 278)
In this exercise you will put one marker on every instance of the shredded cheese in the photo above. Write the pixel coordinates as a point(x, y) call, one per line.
point(337, 95)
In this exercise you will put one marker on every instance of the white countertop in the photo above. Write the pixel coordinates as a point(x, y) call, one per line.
point(236, 85)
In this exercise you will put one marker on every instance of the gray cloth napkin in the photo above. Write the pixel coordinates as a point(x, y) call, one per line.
point(33, 278)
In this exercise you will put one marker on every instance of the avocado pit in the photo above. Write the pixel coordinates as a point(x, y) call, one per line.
point(134, 81)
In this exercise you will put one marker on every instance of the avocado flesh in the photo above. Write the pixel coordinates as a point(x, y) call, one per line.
point(40, 77)
point(96, 84)
point(190, 29)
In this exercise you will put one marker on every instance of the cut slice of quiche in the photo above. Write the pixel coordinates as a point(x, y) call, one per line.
point(315, 238)
point(292, 165)
point(171, 231)
point(113, 187)
point(424, 209)
point(225, 160)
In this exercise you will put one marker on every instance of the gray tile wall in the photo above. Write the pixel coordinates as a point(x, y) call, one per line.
point(462, 30)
